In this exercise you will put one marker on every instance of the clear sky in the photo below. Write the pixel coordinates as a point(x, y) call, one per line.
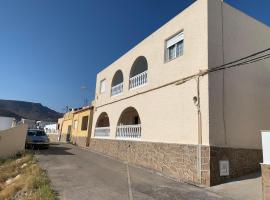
point(50, 48)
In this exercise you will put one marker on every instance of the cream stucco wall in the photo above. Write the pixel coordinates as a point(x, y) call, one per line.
point(167, 114)
point(239, 108)
point(233, 113)
point(12, 140)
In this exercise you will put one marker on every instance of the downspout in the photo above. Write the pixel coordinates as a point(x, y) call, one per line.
point(199, 155)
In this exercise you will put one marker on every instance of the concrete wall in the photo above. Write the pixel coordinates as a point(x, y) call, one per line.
point(239, 105)
point(12, 140)
point(6, 122)
point(167, 114)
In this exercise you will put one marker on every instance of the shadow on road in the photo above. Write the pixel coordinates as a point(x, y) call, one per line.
point(54, 149)
point(246, 177)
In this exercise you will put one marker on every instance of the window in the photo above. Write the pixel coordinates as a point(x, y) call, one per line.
point(84, 123)
point(102, 86)
point(175, 46)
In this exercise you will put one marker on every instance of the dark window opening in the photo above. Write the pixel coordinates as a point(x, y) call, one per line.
point(84, 123)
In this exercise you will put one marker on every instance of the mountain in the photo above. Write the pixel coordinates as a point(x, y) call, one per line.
point(27, 110)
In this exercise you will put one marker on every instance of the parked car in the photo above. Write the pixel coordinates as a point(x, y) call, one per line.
point(37, 138)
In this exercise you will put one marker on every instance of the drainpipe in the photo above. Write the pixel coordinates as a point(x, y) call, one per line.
point(199, 158)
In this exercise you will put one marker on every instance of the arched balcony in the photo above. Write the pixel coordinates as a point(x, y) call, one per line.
point(117, 83)
point(129, 124)
point(138, 73)
point(102, 128)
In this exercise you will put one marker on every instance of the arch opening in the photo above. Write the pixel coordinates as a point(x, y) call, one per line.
point(138, 72)
point(102, 125)
point(129, 124)
point(117, 83)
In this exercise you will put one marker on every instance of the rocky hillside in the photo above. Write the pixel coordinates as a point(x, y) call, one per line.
point(28, 110)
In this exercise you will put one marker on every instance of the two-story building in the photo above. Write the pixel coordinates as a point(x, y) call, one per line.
point(166, 106)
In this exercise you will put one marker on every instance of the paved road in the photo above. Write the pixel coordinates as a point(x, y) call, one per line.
point(247, 187)
point(83, 175)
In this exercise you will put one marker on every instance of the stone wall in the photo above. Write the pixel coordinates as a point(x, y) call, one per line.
point(80, 141)
point(241, 161)
point(266, 181)
point(63, 137)
point(178, 161)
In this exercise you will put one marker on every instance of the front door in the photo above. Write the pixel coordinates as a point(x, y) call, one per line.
point(68, 133)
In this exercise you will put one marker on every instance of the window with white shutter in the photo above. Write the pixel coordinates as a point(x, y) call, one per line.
point(175, 46)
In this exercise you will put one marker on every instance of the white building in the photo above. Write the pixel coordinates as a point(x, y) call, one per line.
point(6, 122)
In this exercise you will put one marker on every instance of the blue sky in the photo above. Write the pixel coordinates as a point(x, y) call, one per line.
point(50, 48)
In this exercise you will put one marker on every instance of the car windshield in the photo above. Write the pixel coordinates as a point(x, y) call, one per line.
point(36, 133)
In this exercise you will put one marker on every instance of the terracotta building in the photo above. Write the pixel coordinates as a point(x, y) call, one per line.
point(163, 106)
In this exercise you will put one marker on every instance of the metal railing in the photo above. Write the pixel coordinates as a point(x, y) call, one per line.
point(117, 89)
point(128, 131)
point(138, 80)
point(102, 131)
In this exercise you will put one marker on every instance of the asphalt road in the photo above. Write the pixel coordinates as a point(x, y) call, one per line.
point(78, 174)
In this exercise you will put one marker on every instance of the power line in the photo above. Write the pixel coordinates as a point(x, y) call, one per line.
point(202, 73)
point(244, 58)
point(241, 63)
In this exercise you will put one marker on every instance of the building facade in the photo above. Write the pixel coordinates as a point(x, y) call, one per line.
point(76, 126)
point(82, 126)
point(159, 106)
point(65, 126)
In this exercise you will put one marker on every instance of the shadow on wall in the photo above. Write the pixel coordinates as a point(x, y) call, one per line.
point(12, 140)
point(54, 149)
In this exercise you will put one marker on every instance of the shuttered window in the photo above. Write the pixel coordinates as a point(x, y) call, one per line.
point(175, 46)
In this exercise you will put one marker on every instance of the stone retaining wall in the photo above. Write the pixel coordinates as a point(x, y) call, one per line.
point(80, 141)
point(179, 161)
point(266, 181)
point(241, 161)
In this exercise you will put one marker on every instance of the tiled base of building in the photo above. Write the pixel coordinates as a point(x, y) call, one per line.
point(174, 160)
point(179, 161)
point(266, 181)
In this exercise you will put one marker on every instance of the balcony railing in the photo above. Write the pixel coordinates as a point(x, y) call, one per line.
point(117, 89)
point(102, 131)
point(138, 80)
point(128, 131)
